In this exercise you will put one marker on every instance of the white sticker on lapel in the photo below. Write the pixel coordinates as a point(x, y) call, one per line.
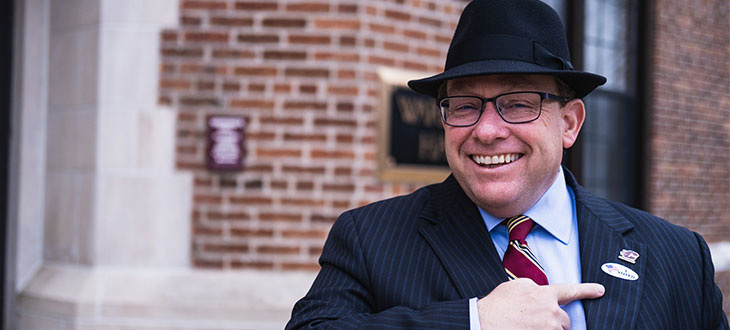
point(619, 271)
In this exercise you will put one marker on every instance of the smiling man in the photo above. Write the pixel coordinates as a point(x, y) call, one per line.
point(510, 240)
point(500, 153)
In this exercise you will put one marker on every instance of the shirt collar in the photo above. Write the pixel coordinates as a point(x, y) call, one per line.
point(553, 211)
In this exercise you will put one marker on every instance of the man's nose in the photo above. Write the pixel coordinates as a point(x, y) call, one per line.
point(490, 125)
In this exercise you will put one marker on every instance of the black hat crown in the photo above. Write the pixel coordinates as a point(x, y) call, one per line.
point(509, 37)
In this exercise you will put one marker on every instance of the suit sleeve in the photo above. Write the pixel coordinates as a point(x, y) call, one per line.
point(714, 317)
point(340, 297)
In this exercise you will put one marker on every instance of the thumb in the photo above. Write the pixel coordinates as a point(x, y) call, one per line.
point(566, 293)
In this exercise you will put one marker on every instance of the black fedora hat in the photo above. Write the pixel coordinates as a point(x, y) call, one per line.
point(509, 37)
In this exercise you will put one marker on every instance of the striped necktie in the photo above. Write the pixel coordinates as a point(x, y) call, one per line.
point(518, 259)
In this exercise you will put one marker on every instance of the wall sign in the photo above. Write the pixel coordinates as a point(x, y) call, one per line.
point(225, 142)
point(416, 135)
point(411, 146)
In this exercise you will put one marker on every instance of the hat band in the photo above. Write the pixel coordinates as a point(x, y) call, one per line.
point(503, 47)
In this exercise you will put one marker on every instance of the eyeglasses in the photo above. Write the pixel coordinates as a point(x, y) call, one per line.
point(514, 107)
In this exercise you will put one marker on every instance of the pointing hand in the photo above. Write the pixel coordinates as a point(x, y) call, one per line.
point(522, 304)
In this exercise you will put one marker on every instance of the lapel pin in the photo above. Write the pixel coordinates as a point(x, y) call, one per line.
point(619, 271)
point(628, 256)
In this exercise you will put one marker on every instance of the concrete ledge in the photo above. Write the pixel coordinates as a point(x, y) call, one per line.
point(72, 297)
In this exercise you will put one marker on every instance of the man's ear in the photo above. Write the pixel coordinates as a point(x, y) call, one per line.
point(574, 113)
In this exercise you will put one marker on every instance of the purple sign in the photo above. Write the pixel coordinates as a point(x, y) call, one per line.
point(225, 143)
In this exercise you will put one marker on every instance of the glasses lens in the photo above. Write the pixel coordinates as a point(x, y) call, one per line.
point(461, 110)
point(519, 107)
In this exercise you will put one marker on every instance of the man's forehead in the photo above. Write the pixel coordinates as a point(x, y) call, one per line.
point(521, 81)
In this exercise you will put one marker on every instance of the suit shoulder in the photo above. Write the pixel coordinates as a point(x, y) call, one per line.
point(623, 217)
point(402, 205)
point(395, 213)
point(645, 221)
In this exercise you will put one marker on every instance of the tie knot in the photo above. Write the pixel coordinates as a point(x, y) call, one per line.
point(519, 227)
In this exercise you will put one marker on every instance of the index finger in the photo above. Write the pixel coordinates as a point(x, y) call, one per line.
point(566, 293)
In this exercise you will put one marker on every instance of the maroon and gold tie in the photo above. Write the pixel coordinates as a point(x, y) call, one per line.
point(518, 259)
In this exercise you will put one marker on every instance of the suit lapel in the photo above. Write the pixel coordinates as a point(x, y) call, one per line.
point(601, 230)
point(456, 232)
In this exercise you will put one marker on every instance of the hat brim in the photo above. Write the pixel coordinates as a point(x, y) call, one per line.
point(581, 82)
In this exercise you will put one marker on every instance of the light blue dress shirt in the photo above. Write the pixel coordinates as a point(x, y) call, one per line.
point(554, 241)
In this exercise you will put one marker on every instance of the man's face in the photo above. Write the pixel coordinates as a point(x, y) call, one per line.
point(510, 188)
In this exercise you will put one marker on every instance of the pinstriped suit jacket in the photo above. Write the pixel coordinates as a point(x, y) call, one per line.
point(414, 261)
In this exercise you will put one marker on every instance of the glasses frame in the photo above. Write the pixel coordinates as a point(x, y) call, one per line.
point(493, 100)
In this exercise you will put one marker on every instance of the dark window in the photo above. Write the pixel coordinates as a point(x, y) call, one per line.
point(6, 51)
point(604, 37)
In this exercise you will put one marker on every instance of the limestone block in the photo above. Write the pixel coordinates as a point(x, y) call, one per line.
point(128, 69)
point(140, 12)
point(160, 298)
point(73, 72)
point(69, 220)
point(72, 14)
point(142, 218)
point(71, 142)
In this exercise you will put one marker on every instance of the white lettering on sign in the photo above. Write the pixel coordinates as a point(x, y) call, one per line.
point(418, 111)
point(226, 123)
point(430, 147)
point(225, 145)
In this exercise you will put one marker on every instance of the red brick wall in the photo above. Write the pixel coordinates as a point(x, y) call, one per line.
point(303, 75)
point(690, 120)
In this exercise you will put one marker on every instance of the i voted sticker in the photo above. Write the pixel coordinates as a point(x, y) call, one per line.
point(619, 271)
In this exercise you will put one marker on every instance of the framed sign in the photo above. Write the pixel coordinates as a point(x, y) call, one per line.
point(225, 142)
point(411, 144)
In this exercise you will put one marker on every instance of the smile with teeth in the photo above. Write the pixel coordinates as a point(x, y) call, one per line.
point(496, 159)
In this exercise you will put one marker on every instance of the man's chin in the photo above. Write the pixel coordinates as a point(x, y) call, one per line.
point(499, 202)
